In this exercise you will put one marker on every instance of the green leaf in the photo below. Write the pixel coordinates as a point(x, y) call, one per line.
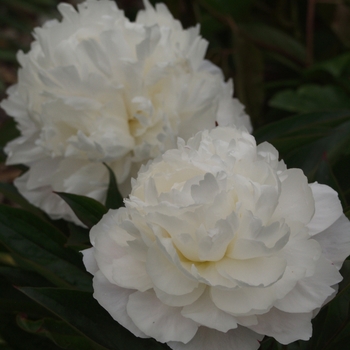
point(78, 237)
point(332, 320)
point(22, 219)
point(20, 277)
point(311, 98)
point(88, 210)
point(276, 57)
point(39, 246)
point(299, 122)
point(114, 199)
point(81, 311)
point(18, 339)
point(324, 175)
point(8, 132)
point(11, 192)
point(334, 66)
point(7, 55)
point(331, 147)
point(5, 258)
point(274, 39)
point(342, 340)
point(269, 344)
point(58, 331)
point(11, 300)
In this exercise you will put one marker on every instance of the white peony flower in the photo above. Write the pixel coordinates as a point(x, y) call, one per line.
point(97, 88)
point(219, 245)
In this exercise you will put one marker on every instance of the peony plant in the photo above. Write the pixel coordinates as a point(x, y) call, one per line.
point(97, 88)
point(219, 244)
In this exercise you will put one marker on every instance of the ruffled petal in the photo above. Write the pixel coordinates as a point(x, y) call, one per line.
point(159, 321)
point(253, 272)
point(114, 299)
point(335, 241)
point(284, 327)
point(302, 254)
point(207, 314)
point(328, 208)
point(180, 300)
point(311, 292)
point(166, 276)
point(247, 301)
point(129, 272)
point(296, 202)
point(243, 301)
point(89, 260)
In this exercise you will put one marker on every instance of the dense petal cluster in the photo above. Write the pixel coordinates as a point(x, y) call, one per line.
point(219, 244)
point(96, 87)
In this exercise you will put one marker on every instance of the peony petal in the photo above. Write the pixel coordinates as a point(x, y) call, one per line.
point(180, 300)
point(212, 244)
point(248, 248)
point(327, 208)
point(311, 292)
point(159, 321)
point(112, 223)
point(335, 241)
point(44, 198)
point(243, 301)
point(96, 87)
point(302, 254)
point(131, 273)
point(284, 327)
point(261, 271)
point(207, 314)
point(207, 273)
point(165, 274)
point(211, 339)
point(247, 301)
point(114, 299)
point(89, 260)
point(206, 190)
point(296, 201)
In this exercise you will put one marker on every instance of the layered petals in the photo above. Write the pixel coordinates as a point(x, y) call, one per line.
point(97, 88)
point(221, 245)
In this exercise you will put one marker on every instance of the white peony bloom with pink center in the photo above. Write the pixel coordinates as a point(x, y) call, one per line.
point(96, 87)
point(219, 245)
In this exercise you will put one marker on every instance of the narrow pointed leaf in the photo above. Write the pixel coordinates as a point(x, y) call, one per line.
point(300, 122)
point(114, 199)
point(58, 331)
point(88, 210)
point(332, 320)
point(11, 192)
point(311, 98)
point(41, 247)
point(20, 277)
point(81, 311)
point(78, 237)
point(11, 300)
point(274, 39)
point(18, 339)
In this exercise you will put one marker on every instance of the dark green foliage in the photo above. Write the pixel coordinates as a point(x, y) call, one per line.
point(88, 210)
point(114, 199)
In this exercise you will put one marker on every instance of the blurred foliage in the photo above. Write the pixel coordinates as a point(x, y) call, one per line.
point(290, 62)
